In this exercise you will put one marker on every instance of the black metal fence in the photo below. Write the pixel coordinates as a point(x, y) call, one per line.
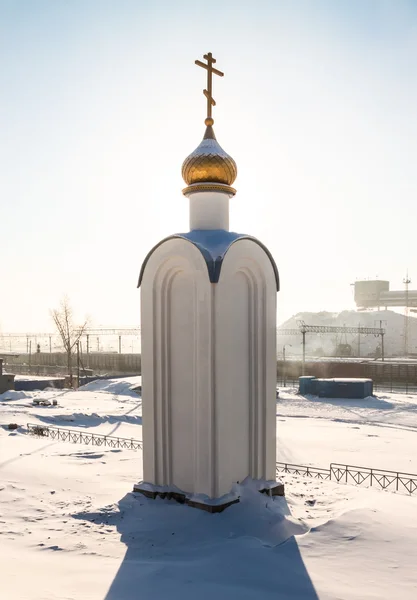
point(393, 377)
point(387, 480)
point(288, 382)
point(81, 437)
point(314, 472)
point(394, 481)
point(401, 387)
point(390, 375)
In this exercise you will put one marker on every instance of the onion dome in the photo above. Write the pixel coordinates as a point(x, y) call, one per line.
point(209, 167)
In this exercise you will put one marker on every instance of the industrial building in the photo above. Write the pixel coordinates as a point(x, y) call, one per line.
point(376, 294)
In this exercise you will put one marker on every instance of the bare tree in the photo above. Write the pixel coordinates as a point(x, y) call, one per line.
point(69, 333)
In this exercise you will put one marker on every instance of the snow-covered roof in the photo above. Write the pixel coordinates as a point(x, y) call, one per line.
point(213, 245)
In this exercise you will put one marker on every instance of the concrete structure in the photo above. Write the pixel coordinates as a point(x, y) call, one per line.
point(53, 363)
point(376, 294)
point(208, 318)
point(32, 384)
point(336, 388)
point(6, 380)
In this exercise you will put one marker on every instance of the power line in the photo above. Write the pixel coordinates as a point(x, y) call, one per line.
point(303, 328)
point(331, 329)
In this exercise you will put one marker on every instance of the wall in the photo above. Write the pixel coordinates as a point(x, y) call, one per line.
point(6, 381)
point(245, 363)
point(378, 371)
point(176, 350)
point(29, 385)
point(57, 362)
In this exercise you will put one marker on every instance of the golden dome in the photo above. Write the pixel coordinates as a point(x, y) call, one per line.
point(209, 167)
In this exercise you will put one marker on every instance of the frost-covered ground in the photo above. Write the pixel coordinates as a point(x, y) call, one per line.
point(71, 529)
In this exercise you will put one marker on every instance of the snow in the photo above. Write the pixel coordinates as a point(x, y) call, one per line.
point(36, 378)
point(70, 527)
point(16, 395)
point(379, 432)
point(346, 379)
point(260, 485)
point(109, 407)
point(121, 386)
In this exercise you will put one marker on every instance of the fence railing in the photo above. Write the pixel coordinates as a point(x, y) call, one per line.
point(314, 472)
point(394, 481)
point(386, 480)
point(81, 437)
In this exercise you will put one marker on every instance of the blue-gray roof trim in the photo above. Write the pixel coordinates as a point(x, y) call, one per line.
point(213, 245)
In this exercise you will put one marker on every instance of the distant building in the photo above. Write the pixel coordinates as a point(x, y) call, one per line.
point(6, 380)
point(376, 294)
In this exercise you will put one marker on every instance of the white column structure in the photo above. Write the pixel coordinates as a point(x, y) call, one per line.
point(209, 210)
point(208, 322)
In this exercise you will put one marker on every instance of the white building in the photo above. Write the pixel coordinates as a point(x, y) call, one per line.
point(208, 319)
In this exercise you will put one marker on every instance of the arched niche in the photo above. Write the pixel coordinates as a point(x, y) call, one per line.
point(176, 309)
point(246, 360)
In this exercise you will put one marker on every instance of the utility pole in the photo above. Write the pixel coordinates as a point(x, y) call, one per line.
point(359, 339)
point(78, 363)
point(380, 321)
point(284, 367)
point(120, 344)
point(304, 351)
point(406, 282)
point(382, 347)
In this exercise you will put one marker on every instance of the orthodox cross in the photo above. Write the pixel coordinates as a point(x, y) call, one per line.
point(210, 70)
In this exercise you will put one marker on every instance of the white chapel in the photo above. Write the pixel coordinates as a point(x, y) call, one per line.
point(208, 321)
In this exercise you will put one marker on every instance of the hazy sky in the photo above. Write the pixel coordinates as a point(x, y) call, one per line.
point(101, 102)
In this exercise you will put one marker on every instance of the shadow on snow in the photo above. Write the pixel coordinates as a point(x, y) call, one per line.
point(249, 551)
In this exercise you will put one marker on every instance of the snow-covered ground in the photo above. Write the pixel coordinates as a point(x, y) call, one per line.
point(71, 529)
point(379, 432)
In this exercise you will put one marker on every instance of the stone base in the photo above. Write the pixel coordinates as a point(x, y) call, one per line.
point(211, 508)
point(152, 494)
point(274, 490)
point(182, 499)
point(269, 488)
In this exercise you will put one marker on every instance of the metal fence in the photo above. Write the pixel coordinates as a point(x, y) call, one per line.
point(388, 375)
point(400, 387)
point(314, 472)
point(386, 480)
point(81, 437)
point(394, 481)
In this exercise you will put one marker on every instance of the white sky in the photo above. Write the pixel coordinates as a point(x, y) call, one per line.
point(101, 102)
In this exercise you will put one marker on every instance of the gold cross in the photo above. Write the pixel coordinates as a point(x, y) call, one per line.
point(210, 70)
